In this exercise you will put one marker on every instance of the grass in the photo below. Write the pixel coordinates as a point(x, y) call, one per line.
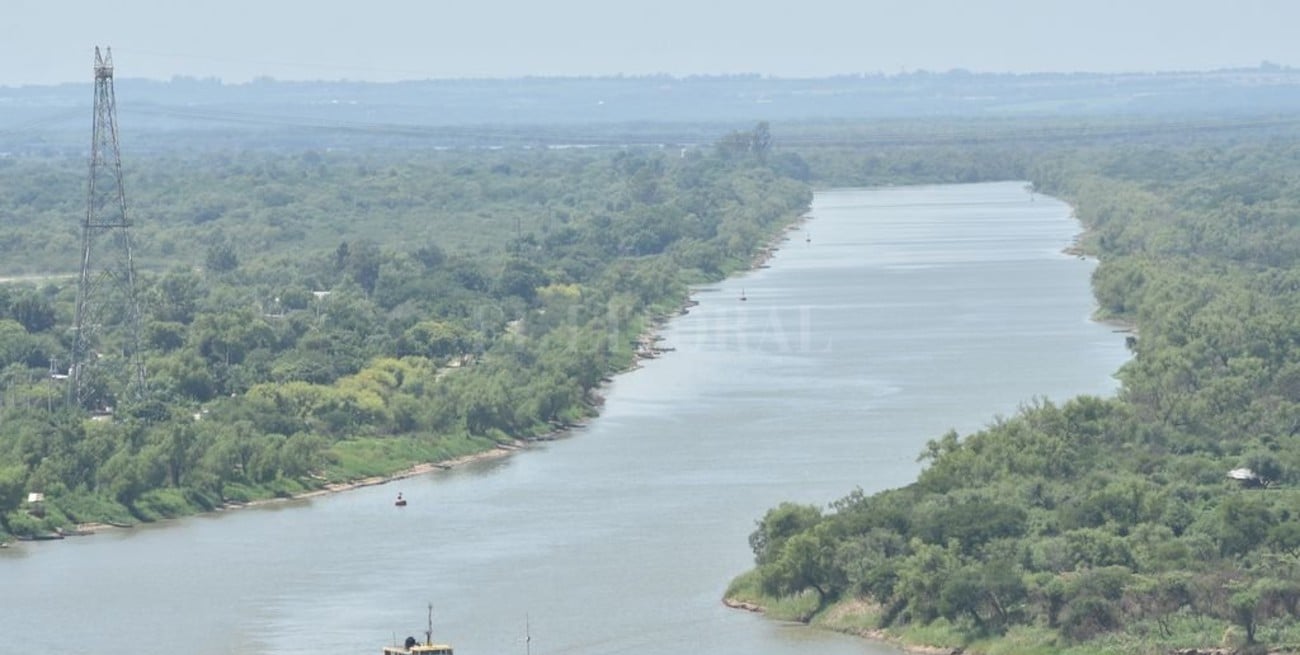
point(1188, 632)
point(862, 618)
point(163, 503)
point(852, 616)
point(355, 459)
point(82, 507)
point(800, 607)
point(939, 632)
point(1021, 640)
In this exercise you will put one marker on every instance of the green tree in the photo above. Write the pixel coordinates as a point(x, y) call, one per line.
point(221, 258)
point(805, 561)
point(780, 524)
point(33, 311)
point(12, 490)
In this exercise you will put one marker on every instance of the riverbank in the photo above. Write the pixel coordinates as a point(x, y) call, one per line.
point(646, 347)
point(857, 617)
point(424, 468)
point(852, 618)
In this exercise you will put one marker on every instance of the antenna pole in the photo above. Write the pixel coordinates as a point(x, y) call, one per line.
point(428, 633)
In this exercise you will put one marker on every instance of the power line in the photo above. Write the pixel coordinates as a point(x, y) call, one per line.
point(45, 120)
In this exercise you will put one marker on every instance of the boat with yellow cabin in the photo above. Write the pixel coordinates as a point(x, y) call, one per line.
point(413, 647)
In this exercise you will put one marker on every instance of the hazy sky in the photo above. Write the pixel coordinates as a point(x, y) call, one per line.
point(49, 41)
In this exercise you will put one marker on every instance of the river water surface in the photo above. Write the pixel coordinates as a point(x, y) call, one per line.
point(890, 317)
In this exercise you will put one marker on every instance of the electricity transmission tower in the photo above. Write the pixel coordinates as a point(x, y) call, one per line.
point(106, 326)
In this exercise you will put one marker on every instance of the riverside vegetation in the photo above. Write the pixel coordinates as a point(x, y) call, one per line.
point(320, 317)
point(1103, 525)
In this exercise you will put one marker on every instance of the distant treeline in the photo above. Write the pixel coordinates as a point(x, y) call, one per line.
point(958, 108)
point(548, 101)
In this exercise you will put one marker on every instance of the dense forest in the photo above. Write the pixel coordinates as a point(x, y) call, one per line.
point(1164, 518)
point(315, 317)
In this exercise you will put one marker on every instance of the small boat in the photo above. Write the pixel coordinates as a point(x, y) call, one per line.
point(742, 296)
point(413, 647)
point(401, 502)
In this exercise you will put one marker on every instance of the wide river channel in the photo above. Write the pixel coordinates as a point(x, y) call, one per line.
point(892, 316)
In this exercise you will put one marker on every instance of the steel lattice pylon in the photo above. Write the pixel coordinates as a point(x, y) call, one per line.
point(106, 325)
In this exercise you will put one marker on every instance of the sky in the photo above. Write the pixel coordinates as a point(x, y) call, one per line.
point(52, 41)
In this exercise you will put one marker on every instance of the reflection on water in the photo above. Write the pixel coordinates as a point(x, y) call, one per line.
point(912, 311)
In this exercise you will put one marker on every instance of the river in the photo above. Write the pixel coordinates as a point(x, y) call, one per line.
point(890, 317)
